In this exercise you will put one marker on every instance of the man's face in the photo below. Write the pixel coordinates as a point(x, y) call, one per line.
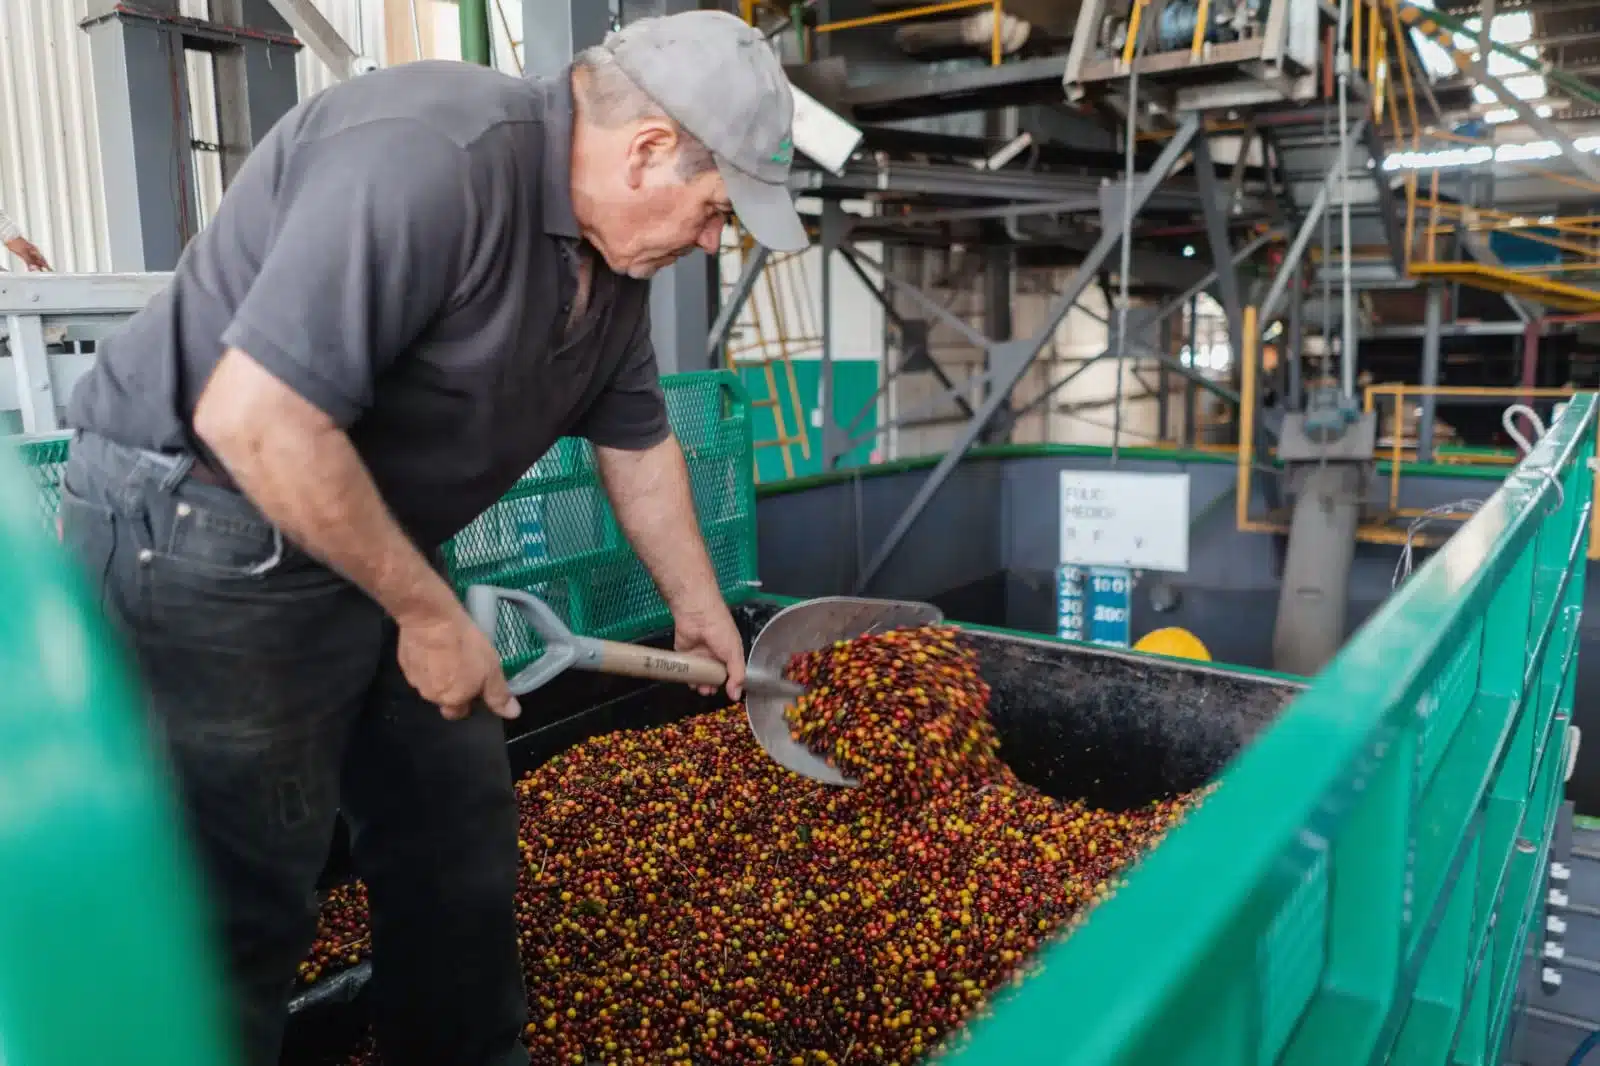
point(648, 215)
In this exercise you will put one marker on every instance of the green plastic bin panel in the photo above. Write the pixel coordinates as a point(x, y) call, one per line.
point(1363, 884)
point(105, 959)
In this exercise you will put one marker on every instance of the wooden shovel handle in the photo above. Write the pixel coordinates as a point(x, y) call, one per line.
point(632, 660)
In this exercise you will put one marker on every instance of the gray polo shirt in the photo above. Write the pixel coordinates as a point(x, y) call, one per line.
point(401, 250)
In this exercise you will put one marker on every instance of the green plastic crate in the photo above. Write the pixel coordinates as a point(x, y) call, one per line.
point(1363, 884)
point(45, 458)
point(105, 952)
point(554, 534)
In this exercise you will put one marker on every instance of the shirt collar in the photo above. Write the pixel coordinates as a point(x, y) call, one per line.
point(560, 220)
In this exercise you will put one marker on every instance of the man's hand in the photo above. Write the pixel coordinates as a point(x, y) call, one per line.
point(451, 663)
point(28, 252)
point(710, 631)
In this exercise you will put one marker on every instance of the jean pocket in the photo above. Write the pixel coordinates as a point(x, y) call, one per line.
point(212, 542)
point(89, 534)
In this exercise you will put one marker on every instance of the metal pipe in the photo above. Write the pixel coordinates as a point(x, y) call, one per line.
point(735, 299)
point(1432, 317)
point(474, 32)
point(1295, 342)
point(1247, 418)
point(1189, 393)
point(1347, 331)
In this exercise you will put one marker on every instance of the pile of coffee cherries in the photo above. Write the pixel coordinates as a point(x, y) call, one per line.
point(684, 900)
point(904, 713)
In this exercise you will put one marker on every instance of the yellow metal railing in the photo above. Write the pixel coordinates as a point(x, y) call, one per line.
point(778, 317)
point(748, 8)
point(1399, 393)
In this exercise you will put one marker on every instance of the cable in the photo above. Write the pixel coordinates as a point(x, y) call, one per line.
point(1130, 137)
point(1443, 512)
point(1508, 420)
point(1347, 327)
point(1589, 1043)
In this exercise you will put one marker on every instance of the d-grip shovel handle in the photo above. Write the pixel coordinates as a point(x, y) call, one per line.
point(565, 649)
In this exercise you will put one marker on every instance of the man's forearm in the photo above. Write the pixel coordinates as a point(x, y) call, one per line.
point(304, 474)
point(649, 490)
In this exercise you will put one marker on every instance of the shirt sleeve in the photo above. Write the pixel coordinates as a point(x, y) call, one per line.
point(631, 413)
point(9, 230)
point(365, 250)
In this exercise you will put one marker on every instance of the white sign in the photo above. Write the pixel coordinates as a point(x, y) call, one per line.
point(1138, 521)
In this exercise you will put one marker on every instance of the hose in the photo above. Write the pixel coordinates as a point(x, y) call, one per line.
point(1590, 1042)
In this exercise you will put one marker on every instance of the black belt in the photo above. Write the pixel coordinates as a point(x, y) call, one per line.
point(206, 474)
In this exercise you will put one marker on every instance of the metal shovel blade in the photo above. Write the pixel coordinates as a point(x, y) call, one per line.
point(805, 627)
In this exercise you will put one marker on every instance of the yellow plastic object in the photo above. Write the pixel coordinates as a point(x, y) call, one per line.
point(1176, 642)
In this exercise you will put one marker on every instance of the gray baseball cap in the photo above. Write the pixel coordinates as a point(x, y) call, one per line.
point(720, 80)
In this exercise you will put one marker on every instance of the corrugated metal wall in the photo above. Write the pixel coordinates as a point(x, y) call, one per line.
point(51, 179)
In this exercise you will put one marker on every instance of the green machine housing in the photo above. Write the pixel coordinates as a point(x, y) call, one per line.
point(1361, 886)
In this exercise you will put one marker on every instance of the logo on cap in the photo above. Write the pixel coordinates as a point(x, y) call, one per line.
point(785, 152)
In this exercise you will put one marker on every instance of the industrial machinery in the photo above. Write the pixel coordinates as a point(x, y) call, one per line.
point(1206, 53)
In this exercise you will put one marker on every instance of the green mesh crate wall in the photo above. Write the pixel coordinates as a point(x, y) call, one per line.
point(44, 459)
point(554, 534)
point(1363, 884)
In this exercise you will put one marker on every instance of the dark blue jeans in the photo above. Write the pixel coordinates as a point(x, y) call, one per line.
point(275, 693)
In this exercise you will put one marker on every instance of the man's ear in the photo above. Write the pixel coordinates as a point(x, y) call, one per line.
point(652, 145)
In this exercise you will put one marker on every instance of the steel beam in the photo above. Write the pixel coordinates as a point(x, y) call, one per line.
point(1215, 214)
point(926, 302)
point(1308, 225)
point(900, 178)
point(835, 228)
point(1070, 206)
point(36, 398)
point(996, 321)
point(1432, 318)
point(557, 30)
point(1296, 340)
point(939, 91)
point(78, 294)
point(1388, 203)
point(146, 159)
point(318, 34)
point(1163, 382)
point(1011, 358)
point(906, 339)
point(733, 301)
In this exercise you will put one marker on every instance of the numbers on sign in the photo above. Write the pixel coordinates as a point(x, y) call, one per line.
point(1114, 615)
point(1115, 585)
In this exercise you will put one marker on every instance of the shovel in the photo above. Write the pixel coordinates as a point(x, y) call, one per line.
point(798, 628)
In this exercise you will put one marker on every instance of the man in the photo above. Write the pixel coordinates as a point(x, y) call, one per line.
point(418, 281)
point(19, 246)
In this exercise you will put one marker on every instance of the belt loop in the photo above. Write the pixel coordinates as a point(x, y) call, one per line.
point(181, 465)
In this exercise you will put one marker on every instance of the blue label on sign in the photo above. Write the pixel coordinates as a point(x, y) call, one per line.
point(1110, 602)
